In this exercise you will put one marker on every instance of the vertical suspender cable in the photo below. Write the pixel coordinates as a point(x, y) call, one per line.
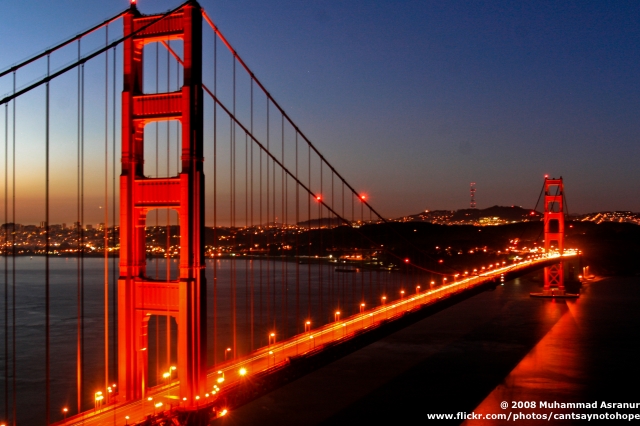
point(80, 223)
point(354, 281)
point(320, 283)
point(78, 242)
point(233, 213)
point(6, 260)
point(297, 244)
point(333, 245)
point(286, 265)
point(283, 306)
point(361, 201)
point(233, 233)
point(251, 221)
point(167, 258)
point(46, 255)
point(342, 280)
point(371, 267)
point(215, 203)
point(13, 260)
point(260, 322)
point(246, 227)
point(285, 208)
point(309, 237)
point(113, 215)
point(5, 251)
point(106, 213)
point(275, 230)
point(268, 227)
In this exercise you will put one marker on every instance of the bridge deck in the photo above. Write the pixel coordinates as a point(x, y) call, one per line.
point(278, 353)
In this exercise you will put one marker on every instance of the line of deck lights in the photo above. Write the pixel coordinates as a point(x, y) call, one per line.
point(243, 371)
point(269, 352)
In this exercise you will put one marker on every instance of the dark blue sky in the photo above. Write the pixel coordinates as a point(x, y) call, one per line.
point(412, 100)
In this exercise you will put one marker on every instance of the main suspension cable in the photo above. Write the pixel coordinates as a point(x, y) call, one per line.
point(61, 45)
point(82, 60)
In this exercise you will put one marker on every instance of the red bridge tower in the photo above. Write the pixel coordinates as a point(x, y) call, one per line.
point(553, 235)
point(139, 297)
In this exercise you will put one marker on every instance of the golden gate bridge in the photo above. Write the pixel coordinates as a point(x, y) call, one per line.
point(229, 250)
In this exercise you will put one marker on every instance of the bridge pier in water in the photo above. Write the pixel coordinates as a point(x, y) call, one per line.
point(139, 297)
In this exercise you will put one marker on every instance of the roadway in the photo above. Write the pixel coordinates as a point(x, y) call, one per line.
point(276, 353)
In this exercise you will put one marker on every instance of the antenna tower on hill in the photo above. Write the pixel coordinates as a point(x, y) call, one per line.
point(473, 195)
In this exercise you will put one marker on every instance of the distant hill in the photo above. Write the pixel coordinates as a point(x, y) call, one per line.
point(509, 214)
point(617, 216)
point(324, 222)
point(490, 216)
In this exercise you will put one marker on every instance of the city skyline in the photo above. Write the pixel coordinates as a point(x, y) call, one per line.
point(412, 103)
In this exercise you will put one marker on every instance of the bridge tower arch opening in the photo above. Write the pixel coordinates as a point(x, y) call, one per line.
point(140, 297)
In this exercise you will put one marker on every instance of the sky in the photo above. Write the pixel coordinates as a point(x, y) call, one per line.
point(413, 100)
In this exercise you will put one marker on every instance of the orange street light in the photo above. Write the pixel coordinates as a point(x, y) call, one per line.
point(98, 397)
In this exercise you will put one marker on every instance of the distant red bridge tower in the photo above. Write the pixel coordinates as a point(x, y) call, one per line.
point(554, 238)
point(553, 234)
point(139, 297)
